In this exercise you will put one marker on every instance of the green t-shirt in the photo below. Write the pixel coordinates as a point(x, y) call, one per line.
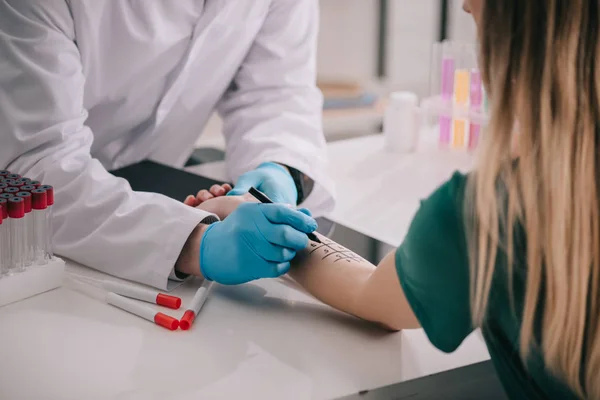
point(433, 268)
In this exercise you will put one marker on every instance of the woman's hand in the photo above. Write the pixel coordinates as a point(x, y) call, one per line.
point(225, 205)
point(204, 195)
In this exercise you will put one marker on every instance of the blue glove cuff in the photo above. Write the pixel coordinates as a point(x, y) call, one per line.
point(270, 164)
point(203, 251)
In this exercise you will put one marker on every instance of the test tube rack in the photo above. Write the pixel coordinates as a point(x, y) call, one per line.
point(33, 281)
point(27, 263)
point(457, 101)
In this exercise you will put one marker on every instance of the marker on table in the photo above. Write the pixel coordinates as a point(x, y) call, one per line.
point(195, 306)
point(260, 196)
point(164, 320)
point(143, 294)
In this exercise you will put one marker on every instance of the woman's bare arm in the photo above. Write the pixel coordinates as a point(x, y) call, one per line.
point(342, 279)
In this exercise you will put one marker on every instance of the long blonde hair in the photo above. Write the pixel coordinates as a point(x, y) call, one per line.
point(541, 66)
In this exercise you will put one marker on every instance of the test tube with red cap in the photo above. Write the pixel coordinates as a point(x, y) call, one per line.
point(29, 188)
point(16, 227)
point(13, 176)
point(35, 183)
point(4, 173)
point(39, 205)
point(29, 229)
point(4, 241)
point(11, 190)
point(49, 246)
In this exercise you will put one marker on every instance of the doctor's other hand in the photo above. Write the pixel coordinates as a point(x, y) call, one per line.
point(272, 179)
point(256, 241)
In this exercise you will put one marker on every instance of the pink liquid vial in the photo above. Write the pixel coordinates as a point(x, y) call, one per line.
point(448, 67)
point(476, 104)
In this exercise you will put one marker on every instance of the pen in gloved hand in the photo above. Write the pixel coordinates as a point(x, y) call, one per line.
point(260, 196)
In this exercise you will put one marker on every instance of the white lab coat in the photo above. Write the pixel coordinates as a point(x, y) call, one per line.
point(92, 85)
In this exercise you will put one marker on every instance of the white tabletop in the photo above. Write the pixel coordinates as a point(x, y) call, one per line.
point(263, 340)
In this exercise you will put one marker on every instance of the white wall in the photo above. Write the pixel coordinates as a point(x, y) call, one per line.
point(347, 38)
point(462, 27)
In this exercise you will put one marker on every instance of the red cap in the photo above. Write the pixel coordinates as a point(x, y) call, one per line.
point(35, 183)
point(16, 183)
point(168, 301)
point(13, 176)
point(38, 199)
point(11, 189)
point(166, 321)
point(4, 208)
point(3, 185)
point(4, 173)
point(28, 188)
point(27, 200)
point(6, 196)
point(187, 320)
point(49, 194)
point(16, 208)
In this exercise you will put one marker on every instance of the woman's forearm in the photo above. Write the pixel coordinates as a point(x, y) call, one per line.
point(342, 279)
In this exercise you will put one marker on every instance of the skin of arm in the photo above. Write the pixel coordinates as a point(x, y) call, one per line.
point(345, 281)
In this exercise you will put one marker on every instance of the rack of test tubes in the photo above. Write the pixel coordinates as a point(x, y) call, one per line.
point(27, 263)
point(457, 102)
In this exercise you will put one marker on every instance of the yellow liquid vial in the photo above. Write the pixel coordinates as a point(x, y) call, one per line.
point(460, 133)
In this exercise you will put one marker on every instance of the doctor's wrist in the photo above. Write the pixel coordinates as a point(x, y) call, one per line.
point(189, 259)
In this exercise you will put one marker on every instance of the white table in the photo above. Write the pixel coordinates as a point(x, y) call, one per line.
point(264, 340)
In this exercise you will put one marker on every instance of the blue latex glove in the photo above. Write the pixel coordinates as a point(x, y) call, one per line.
point(270, 178)
point(255, 241)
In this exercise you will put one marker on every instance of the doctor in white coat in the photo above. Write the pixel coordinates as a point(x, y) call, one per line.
point(87, 86)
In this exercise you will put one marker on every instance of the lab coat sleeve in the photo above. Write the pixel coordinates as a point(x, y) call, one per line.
point(98, 220)
point(273, 109)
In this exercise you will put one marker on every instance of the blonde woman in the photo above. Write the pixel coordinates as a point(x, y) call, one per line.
point(513, 248)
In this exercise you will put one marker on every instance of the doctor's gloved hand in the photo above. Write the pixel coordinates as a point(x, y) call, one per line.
point(256, 241)
point(272, 179)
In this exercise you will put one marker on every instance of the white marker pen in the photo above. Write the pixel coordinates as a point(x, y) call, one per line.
point(135, 308)
point(143, 294)
point(195, 306)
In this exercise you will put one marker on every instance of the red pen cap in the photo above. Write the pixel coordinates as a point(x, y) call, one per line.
point(49, 194)
point(168, 301)
point(187, 320)
point(26, 196)
point(16, 208)
point(4, 208)
point(38, 199)
point(166, 321)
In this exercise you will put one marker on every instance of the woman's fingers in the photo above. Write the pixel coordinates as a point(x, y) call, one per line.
point(190, 201)
point(217, 190)
point(204, 195)
point(227, 187)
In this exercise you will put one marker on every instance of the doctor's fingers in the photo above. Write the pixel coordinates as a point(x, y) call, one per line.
point(273, 253)
point(282, 214)
point(285, 236)
point(274, 270)
point(190, 201)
